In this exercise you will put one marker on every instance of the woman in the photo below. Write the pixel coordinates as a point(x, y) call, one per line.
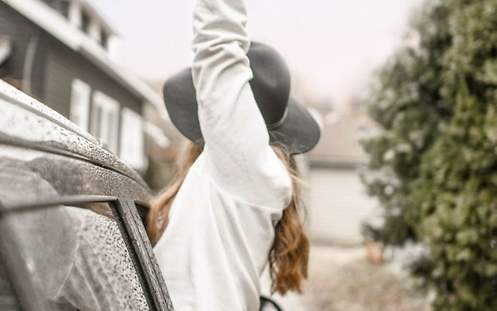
point(233, 207)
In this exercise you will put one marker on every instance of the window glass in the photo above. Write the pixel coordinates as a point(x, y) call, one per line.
point(105, 120)
point(97, 120)
point(74, 257)
point(80, 104)
point(132, 146)
point(64, 8)
point(104, 39)
point(94, 31)
point(85, 21)
point(74, 12)
point(5, 49)
point(8, 300)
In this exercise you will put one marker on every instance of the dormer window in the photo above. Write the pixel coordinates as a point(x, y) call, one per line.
point(83, 16)
point(85, 22)
point(95, 31)
point(104, 40)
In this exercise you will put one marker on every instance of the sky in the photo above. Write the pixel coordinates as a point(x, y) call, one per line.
point(332, 46)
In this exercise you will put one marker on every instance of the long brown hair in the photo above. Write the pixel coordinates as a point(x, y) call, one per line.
point(289, 255)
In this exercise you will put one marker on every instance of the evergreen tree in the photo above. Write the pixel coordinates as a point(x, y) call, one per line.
point(436, 157)
point(455, 195)
point(406, 103)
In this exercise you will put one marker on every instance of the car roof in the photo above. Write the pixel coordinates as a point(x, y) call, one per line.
point(28, 122)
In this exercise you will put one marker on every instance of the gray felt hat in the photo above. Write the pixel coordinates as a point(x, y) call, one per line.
point(289, 123)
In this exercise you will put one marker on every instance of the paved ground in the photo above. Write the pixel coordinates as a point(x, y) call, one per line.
point(342, 280)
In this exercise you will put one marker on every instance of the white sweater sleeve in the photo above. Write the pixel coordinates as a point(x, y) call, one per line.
point(237, 149)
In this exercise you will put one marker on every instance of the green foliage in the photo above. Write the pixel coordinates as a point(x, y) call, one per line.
point(408, 106)
point(445, 183)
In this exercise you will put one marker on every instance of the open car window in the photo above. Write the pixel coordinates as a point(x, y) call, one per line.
point(73, 257)
point(8, 299)
point(74, 252)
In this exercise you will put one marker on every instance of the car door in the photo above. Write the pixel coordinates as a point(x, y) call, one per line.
point(70, 234)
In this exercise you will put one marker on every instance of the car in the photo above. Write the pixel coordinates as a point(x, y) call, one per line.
point(72, 233)
point(72, 219)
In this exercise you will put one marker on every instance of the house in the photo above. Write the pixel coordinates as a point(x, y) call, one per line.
point(338, 202)
point(60, 52)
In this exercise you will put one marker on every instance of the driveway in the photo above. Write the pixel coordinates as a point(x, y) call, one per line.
point(342, 279)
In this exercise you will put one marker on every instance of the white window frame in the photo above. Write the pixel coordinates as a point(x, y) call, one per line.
point(80, 104)
point(95, 31)
point(75, 13)
point(107, 130)
point(132, 146)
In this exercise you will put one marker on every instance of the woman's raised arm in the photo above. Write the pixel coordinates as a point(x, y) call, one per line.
point(235, 135)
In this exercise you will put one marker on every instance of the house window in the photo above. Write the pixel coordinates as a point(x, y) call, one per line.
point(64, 9)
point(74, 13)
point(105, 120)
point(104, 39)
point(94, 31)
point(85, 22)
point(132, 145)
point(80, 104)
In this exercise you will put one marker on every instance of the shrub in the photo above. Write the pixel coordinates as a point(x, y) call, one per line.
point(445, 188)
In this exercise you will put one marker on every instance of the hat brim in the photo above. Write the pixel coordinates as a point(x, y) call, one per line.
point(298, 133)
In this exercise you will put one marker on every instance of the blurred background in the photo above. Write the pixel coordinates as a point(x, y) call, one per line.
point(400, 189)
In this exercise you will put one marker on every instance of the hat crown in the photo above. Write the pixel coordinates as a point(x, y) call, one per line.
point(271, 82)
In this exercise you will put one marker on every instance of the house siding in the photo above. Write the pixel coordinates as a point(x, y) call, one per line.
point(56, 66)
point(63, 66)
point(20, 31)
point(54, 60)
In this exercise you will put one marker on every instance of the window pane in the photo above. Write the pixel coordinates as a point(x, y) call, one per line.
point(8, 300)
point(104, 39)
point(112, 130)
point(131, 147)
point(80, 104)
point(96, 121)
point(85, 22)
point(105, 120)
point(75, 258)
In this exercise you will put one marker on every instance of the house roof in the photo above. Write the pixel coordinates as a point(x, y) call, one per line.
point(60, 28)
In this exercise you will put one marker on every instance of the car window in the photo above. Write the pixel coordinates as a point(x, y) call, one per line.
point(49, 216)
point(72, 258)
point(8, 300)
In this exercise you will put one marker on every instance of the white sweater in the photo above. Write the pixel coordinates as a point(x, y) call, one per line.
point(221, 227)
